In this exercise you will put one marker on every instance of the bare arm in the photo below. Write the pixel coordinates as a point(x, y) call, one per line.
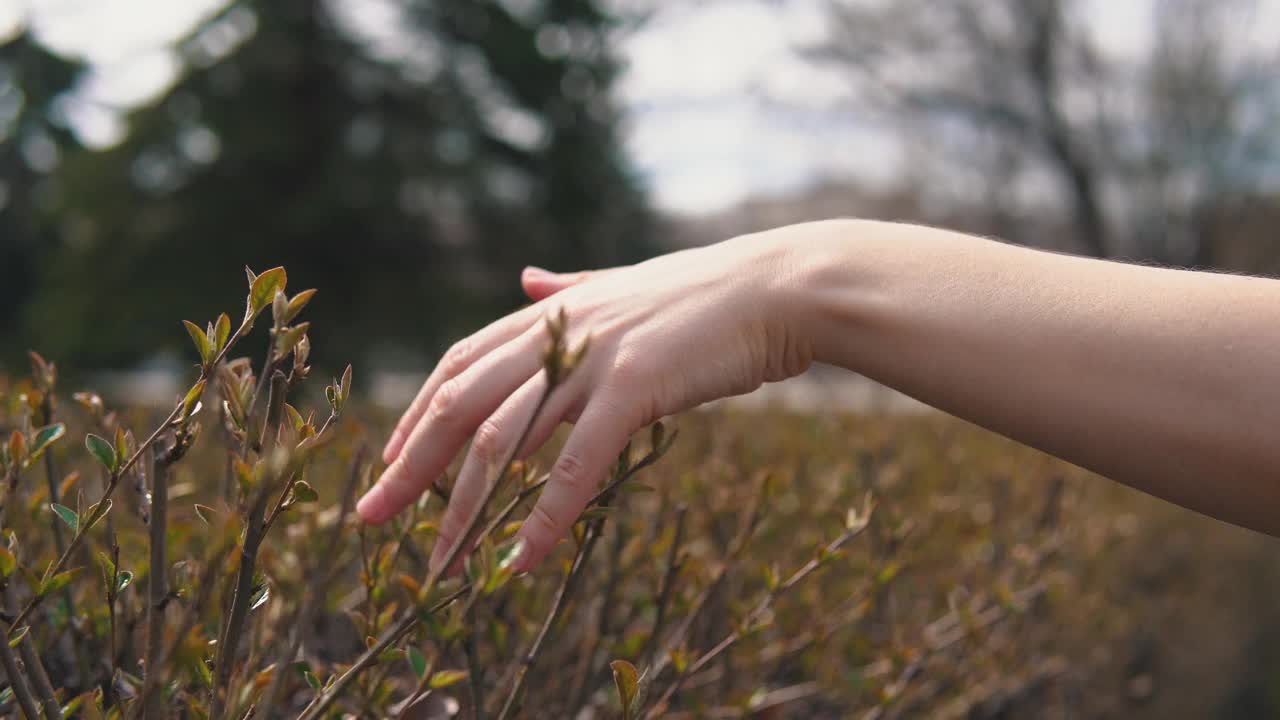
point(1165, 380)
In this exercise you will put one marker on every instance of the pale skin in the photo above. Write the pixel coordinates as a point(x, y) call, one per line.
point(1166, 380)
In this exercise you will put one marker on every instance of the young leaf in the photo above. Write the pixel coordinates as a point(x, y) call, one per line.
point(93, 516)
point(126, 577)
point(67, 515)
point(416, 661)
point(445, 678)
point(57, 582)
point(191, 403)
point(201, 341)
point(16, 638)
point(17, 447)
point(108, 569)
point(279, 307)
point(304, 493)
point(44, 437)
point(298, 302)
point(7, 562)
point(290, 337)
point(260, 596)
point(627, 680)
point(102, 450)
point(221, 332)
point(263, 289)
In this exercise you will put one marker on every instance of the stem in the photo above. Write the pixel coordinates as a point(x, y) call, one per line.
point(157, 578)
point(566, 589)
point(473, 669)
point(21, 690)
point(754, 616)
point(26, 649)
point(395, 634)
point(664, 591)
point(78, 538)
point(313, 598)
point(232, 630)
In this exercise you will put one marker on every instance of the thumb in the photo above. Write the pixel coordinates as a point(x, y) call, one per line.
point(539, 284)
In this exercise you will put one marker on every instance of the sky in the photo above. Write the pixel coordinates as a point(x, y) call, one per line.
point(719, 105)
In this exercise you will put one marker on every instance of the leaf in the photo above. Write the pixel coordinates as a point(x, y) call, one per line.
point(345, 386)
point(6, 696)
point(102, 451)
point(45, 437)
point(295, 417)
point(289, 337)
point(221, 332)
point(201, 341)
point(298, 302)
point(279, 306)
point(93, 516)
point(123, 441)
point(67, 515)
point(304, 493)
point(57, 582)
point(627, 680)
point(126, 577)
point(445, 678)
point(108, 569)
point(17, 447)
point(260, 596)
point(416, 661)
point(262, 289)
point(16, 638)
point(7, 562)
point(191, 403)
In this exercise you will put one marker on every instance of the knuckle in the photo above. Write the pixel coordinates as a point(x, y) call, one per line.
point(457, 357)
point(631, 371)
point(445, 401)
point(487, 441)
point(570, 472)
point(543, 524)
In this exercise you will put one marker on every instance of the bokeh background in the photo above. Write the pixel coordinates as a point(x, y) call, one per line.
point(409, 157)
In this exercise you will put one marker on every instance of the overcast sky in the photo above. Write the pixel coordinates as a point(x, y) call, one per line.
point(699, 127)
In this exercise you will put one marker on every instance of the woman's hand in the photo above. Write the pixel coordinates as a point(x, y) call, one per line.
point(665, 335)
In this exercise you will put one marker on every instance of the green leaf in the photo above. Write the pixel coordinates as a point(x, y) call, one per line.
point(108, 569)
point(122, 446)
point(416, 661)
point(201, 341)
point(102, 450)
point(627, 680)
point(445, 678)
point(304, 493)
point(6, 696)
point(16, 638)
point(8, 562)
point(263, 289)
point(67, 515)
point(290, 337)
point(298, 302)
point(191, 403)
point(126, 578)
point(260, 596)
point(45, 437)
point(57, 582)
point(221, 332)
point(93, 516)
point(295, 417)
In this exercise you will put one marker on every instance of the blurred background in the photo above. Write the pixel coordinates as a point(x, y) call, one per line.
point(409, 157)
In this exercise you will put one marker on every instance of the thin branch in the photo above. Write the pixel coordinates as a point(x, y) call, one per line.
point(18, 682)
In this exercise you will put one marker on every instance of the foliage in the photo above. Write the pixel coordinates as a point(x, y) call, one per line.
point(423, 161)
point(772, 566)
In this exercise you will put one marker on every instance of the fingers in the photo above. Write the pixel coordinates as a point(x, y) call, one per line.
point(540, 284)
point(459, 357)
point(454, 411)
point(490, 446)
point(592, 448)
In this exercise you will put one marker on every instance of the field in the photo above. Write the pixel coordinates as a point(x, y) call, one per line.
point(735, 564)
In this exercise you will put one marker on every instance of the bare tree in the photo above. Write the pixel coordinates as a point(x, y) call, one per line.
point(1140, 147)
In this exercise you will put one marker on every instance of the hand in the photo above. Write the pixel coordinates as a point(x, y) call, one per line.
point(665, 335)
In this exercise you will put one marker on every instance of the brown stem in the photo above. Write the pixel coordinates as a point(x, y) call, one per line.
point(157, 577)
point(21, 690)
point(313, 598)
point(229, 642)
point(78, 538)
point(664, 591)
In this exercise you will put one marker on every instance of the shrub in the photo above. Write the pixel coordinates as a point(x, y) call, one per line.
point(218, 572)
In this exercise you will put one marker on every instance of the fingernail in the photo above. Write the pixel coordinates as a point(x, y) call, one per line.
point(370, 507)
point(536, 272)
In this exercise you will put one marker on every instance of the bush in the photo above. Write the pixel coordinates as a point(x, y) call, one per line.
point(219, 572)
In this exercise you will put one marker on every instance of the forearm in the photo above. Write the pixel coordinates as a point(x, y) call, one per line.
point(1165, 380)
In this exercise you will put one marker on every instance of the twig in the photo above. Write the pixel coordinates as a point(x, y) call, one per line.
point(473, 669)
point(758, 612)
point(61, 563)
point(157, 578)
point(313, 598)
point(18, 682)
point(664, 592)
point(26, 649)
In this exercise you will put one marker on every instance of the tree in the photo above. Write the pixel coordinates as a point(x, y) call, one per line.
point(1023, 89)
point(388, 171)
